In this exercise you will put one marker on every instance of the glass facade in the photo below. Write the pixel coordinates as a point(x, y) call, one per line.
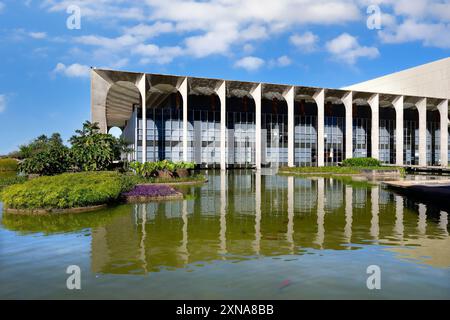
point(410, 142)
point(433, 143)
point(387, 141)
point(305, 141)
point(334, 140)
point(165, 133)
point(204, 128)
point(240, 144)
point(274, 130)
point(361, 137)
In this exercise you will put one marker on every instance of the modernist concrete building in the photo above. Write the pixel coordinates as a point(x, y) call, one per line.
point(400, 119)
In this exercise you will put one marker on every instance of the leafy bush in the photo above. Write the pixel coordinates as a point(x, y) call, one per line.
point(8, 164)
point(95, 151)
point(361, 162)
point(150, 169)
point(37, 145)
point(51, 160)
point(184, 165)
point(67, 190)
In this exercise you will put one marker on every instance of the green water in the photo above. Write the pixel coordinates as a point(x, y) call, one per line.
point(240, 236)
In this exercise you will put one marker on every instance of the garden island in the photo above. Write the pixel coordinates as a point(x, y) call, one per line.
point(46, 176)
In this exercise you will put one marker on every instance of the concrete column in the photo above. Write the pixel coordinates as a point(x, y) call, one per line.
point(443, 111)
point(422, 109)
point(289, 96)
point(398, 105)
point(221, 92)
point(319, 97)
point(142, 86)
point(183, 89)
point(99, 90)
point(374, 103)
point(256, 94)
point(136, 135)
point(348, 103)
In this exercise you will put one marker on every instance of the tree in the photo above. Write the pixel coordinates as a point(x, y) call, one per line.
point(45, 156)
point(92, 150)
point(37, 145)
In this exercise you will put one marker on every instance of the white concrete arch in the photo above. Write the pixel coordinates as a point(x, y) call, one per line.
point(120, 99)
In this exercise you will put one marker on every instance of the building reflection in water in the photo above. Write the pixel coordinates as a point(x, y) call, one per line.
point(239, 216)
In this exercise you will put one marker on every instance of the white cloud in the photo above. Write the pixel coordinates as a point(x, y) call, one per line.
point(37, 35)
point(146, 31)
point(75, 70)
point(103, 9)
point(153, 54)
point(249, 63)
point(201, 28)
point(207, 27)
point(2, 103)
point(347, 49)
point(114, 44)
point(282, 61)
point(431, 34)
point(306, 42)
point(427, 21)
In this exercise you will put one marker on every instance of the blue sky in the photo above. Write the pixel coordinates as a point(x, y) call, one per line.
point(44, 65)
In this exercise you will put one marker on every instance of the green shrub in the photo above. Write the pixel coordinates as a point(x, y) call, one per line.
point(51, 160)
point(35, 146)
point(94, 151)
point(67, 190)
point(8, 164)
point(184, 165)
point(149, 169)
point(361, 162)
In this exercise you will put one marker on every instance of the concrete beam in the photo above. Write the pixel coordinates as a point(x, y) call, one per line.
point(289, 97)
point(319, 98)
point(348, 103)
point(443, 111)
point(183, 89)
point(422, 109)
point(374, 103)
point(257, 96)
point(221, 92)
point(99, 91)
point(142, 86)
point(398, 106)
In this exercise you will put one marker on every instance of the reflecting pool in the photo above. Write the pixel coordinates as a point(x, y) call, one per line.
point(242, 235)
